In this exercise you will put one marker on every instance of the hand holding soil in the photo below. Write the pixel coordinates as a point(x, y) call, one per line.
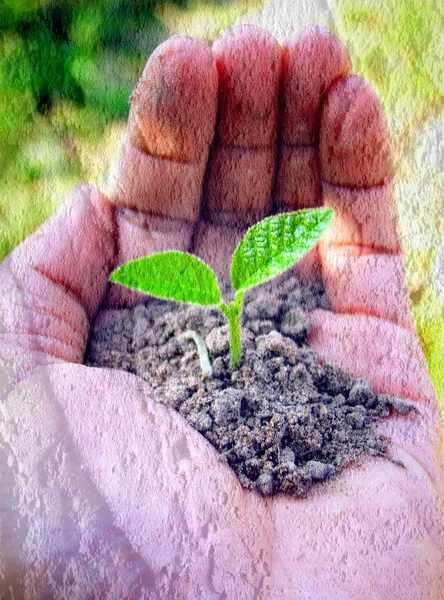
point(106, 492)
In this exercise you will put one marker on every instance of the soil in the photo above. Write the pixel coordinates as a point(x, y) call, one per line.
point(283, 421)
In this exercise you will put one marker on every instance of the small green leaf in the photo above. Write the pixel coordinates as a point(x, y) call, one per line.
point(172, 276)
point(275, 244)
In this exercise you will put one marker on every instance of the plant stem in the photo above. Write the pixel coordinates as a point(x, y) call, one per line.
point(204, 359)
point(233, 314)
point(235, 341)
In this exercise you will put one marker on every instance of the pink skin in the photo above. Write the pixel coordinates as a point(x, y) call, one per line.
point(174, 519)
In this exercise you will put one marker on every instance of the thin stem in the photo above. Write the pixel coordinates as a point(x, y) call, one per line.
point(235, 339)
point(233, 314)
point(204, 359)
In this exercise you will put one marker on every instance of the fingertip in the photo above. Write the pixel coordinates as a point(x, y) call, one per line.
point(312, 60)
point(354, 146)
point(248, 60)
point(173, 108)
point(179, 48)
point(241, 34)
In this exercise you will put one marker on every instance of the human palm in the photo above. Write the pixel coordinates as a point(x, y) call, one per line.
point(130, 497)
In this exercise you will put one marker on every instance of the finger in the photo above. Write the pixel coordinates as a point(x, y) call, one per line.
point(372, 334)
point(52, 283)
point(361, 252)
point(311, 62)
point(240, 175)
point(171, 125)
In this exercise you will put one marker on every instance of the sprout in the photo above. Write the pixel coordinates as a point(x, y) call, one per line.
point(202, 351)
point(268, 249)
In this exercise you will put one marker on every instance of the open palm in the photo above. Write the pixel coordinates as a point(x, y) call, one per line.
point(106, 492)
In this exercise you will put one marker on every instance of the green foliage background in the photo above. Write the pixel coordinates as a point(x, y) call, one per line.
point(67, 69)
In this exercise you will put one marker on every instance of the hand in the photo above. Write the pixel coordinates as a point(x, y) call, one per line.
point(105, 491)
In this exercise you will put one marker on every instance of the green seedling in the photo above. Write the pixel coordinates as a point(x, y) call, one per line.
point(267, 250)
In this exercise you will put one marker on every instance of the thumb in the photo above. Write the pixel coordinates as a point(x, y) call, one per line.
point(52, 283)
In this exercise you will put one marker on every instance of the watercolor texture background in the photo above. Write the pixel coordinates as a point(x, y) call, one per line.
point(79, 518)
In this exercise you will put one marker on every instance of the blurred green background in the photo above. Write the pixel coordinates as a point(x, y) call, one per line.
point(67, 69)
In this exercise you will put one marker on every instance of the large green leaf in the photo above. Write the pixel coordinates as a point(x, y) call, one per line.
point(172, 276)
point(275, 244)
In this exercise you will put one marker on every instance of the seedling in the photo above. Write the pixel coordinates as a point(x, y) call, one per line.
point(268, 249)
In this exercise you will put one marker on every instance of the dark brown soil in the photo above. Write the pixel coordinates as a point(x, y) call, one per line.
point(282, 421)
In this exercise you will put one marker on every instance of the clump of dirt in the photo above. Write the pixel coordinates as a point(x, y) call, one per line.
point(282, 421)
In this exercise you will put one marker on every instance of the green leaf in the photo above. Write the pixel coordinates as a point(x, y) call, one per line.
point(172, 276)
point(275, 244)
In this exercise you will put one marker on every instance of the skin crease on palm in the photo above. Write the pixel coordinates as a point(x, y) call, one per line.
point(107, 494)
